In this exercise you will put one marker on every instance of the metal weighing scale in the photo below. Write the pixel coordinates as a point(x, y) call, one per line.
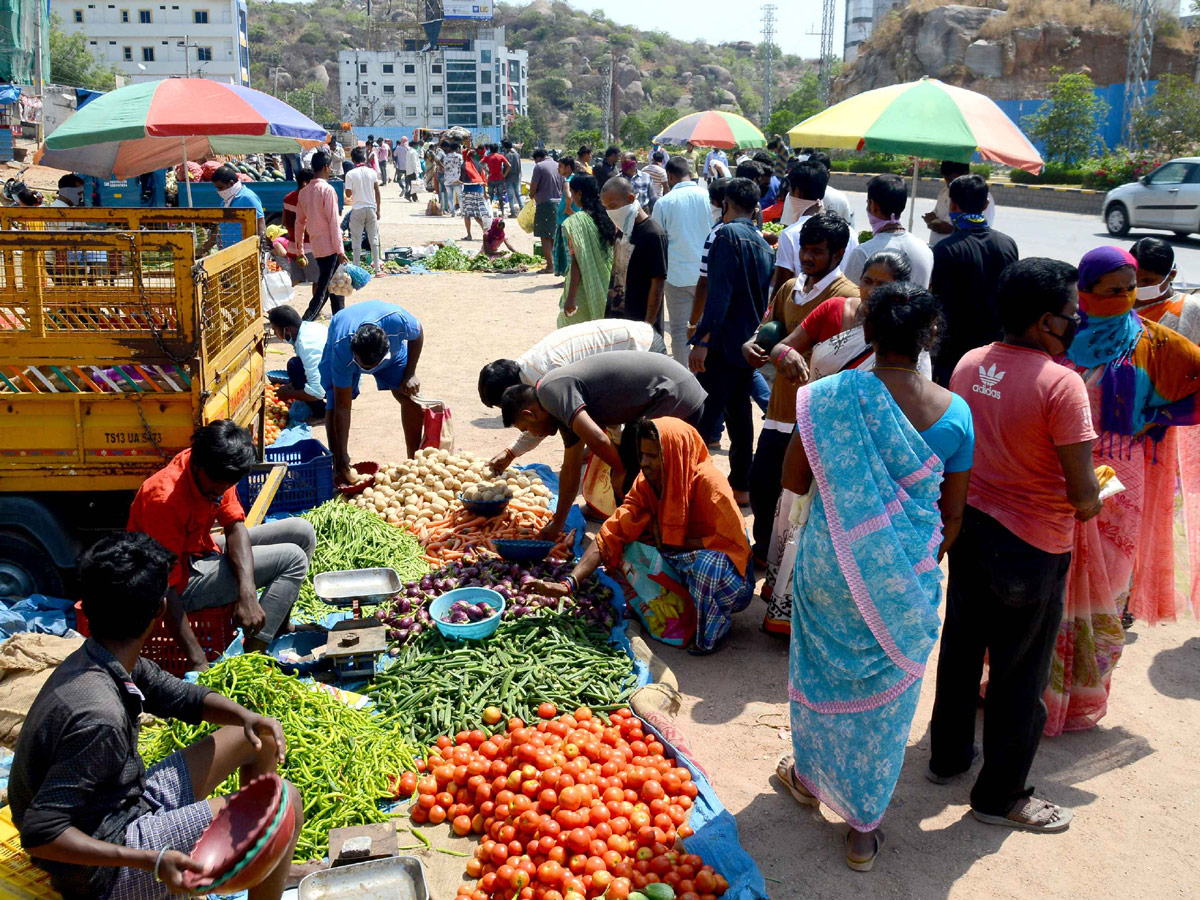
point(354, 644)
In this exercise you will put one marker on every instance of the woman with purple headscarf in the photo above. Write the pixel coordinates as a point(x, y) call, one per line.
point(1141, 378)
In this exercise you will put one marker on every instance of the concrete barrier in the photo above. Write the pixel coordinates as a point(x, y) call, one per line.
point(1055, 198)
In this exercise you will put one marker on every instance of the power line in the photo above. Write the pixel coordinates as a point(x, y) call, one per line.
point(768, 33)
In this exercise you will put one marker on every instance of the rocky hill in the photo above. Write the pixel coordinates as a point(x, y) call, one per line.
point(568, 51)
point(1007, 48)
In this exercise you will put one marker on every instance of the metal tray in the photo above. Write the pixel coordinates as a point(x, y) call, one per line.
point(397, 878)
point(364, 585)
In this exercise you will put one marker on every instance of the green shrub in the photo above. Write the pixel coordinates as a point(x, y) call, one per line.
point(1120, 167)
point(1051, 174)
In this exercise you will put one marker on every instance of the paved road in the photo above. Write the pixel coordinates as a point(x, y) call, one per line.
point(1060, 235)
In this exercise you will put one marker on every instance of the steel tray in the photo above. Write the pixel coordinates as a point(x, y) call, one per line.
point(397, 878)
point(364, 585)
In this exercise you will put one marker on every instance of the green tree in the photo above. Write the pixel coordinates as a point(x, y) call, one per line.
point(71, 62)
point(1068, 122)
point(521, 131)
point(587, 116)
point(580, 136)
point(1169, 123)
point(802, 102)
point(553, 89)
point(635, 130)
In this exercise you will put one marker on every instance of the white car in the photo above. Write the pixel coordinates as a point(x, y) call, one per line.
point(1167, 198)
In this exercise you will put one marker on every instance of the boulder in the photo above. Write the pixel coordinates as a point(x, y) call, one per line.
point(571, 41)
point(715, 73)
point(626, 75)
point(945, 34)
point(724, 97)
point(634, 94)
point(684, 102)
point(985, 59)
point(317, 73)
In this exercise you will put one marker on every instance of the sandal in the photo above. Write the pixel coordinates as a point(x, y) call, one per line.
point(715, 648)
point(785, 771)
point(1034, 814)
point(863, 865)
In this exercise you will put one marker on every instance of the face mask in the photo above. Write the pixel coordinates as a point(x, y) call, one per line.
point(73, 195)
point(229, 193)
point(1068, 336)
point(964, 221)
point(1095, 306)
point(878, 223)
point(387, 358)
point(1154, 291)
point(623, 217)
point(717, 213)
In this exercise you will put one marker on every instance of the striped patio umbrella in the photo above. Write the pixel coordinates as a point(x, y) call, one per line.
point(712, 129)
point(155, 124)
point(921, 118)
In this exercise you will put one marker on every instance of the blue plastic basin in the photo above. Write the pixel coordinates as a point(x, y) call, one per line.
point(472, 631)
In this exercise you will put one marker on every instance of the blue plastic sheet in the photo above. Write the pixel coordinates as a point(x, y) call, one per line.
point(37, 613)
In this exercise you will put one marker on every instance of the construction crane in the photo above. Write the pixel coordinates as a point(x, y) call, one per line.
point(1137, 67)
point(768, 33)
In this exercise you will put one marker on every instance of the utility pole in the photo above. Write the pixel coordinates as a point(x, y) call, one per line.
point(614, 104)
point(1137, 67)
point(824, 84)
point(606, 98)
point(768, 34)
point(37, 68)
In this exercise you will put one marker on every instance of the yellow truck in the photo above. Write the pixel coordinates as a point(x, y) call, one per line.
point(116, 343)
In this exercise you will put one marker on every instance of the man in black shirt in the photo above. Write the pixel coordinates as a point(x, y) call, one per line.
point(639, 272)
point(87, 810)
point(609, 166)
point(966, 269)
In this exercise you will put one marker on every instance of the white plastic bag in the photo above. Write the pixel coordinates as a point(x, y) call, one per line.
point(276, 289)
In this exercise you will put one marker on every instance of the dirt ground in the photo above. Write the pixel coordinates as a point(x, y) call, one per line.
point(1131, 780)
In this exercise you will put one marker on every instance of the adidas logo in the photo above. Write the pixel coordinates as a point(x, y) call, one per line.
point(989, 378)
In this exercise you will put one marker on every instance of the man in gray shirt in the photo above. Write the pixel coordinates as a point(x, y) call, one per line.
point(545, 190)
point(583, 399)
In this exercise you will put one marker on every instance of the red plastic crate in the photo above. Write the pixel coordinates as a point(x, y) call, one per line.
point(214, 629)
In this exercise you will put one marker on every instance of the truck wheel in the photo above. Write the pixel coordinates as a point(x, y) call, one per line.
point(25, 568)
point(1116, 220)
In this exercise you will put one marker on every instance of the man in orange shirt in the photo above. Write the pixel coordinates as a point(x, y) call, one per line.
point(178, 506)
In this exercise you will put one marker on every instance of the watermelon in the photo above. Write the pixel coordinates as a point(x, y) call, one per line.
point(770, 334)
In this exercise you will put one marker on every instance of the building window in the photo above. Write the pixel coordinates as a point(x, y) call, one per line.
point(145, 16)
point(147, 54)
point(204, 54)
point(487, 98)
point(200, 16)
point(410, 69)
point(124, 17)
point(487, 120)
point(92, 43)
point(485, 56)
point(410, 89)
point(435, 89)
point(410, 111)
point(389, 112)
point(438, 111)
point(485, 77)
point(362, 68)
point(389, 89)
point(388, 69)
point(436, 68)
point(78, 15)
point(127, 53)
point(362, 89)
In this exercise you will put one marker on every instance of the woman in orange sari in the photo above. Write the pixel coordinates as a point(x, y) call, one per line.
point(683, 505)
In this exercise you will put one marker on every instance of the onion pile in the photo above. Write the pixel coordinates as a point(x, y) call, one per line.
point(407, 617)
point(425, 489)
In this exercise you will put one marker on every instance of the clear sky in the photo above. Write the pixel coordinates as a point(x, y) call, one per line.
point(718, 21)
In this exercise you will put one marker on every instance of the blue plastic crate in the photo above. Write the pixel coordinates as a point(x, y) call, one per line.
point(308, 482)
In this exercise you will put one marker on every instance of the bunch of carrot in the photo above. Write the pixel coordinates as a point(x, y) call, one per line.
point(461, 531)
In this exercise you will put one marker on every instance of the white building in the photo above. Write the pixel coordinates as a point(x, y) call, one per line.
point(149, 41)
point(475, 82)
point(861, 18)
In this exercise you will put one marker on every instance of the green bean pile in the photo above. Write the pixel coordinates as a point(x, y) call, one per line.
point(341, 760)
point(441, 686)
point(352, 538)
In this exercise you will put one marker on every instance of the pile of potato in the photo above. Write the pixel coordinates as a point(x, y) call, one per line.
point(425, 489)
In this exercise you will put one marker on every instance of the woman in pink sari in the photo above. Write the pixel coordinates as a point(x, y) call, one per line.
point(1141, 378)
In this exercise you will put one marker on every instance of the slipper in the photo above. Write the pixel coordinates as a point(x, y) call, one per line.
point(785, 771)
point(715, 648)
point(1037, 815)
point(864, 865)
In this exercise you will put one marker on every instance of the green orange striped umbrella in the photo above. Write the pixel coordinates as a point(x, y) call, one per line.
point(921, 118)
point(712, 129)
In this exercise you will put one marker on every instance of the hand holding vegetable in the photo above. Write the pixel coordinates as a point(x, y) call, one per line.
point(500, 462)
point(755, 355)
point(548, 588)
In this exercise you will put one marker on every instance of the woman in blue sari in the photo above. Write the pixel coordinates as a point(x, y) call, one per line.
point(881, 460)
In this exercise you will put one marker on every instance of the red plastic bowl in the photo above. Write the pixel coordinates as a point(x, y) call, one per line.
point(238, 827)
point(370, 469)
point(273, 847)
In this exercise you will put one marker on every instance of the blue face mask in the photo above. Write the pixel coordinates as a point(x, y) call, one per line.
point(968, 221)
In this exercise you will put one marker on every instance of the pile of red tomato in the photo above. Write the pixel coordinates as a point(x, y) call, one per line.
point(578, 807)
point(277, 415)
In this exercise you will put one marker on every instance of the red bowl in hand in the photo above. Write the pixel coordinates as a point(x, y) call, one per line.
point(237, 828)
point(268, 853)
point(369, 469)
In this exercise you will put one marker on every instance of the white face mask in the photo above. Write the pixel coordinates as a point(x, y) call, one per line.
point(230, 192)
point(387, 358)
point(623, 217)
point(1154, 291)
point(717, 213)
